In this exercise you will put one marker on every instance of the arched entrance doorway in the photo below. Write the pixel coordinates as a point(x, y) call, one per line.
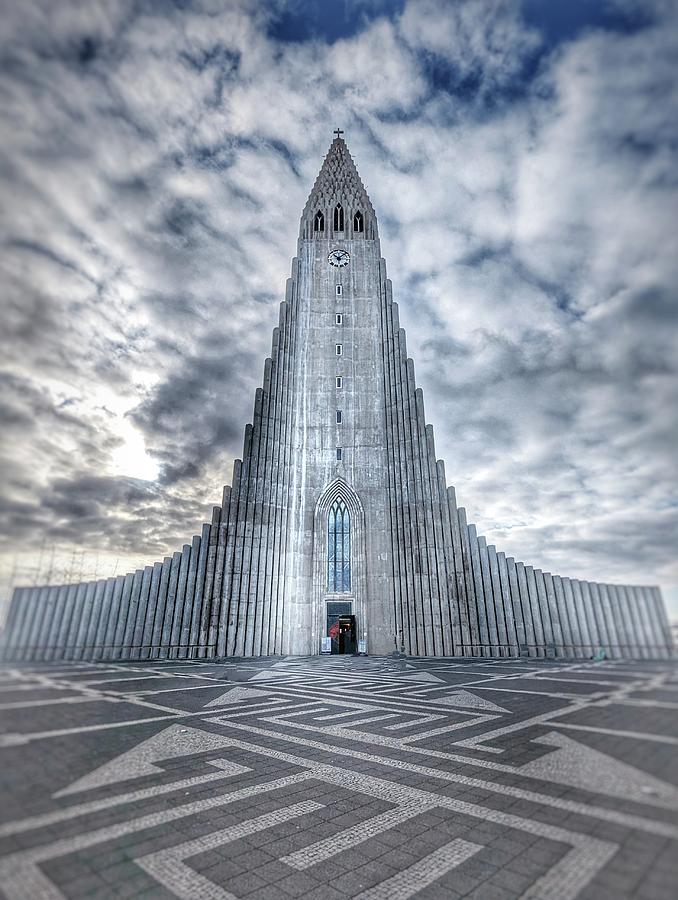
point(339, 570)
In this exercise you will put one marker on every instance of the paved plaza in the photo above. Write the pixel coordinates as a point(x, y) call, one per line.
point(340, 777)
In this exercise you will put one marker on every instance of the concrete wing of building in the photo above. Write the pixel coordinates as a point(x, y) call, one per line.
point(339, 532)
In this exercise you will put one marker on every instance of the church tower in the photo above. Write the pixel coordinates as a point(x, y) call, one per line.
point(339, 530)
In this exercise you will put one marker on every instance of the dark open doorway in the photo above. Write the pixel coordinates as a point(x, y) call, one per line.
point(341, 627)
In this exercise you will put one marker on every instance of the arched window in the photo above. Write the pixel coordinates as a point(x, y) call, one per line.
point(319, 222)
point(338, 549)
point(338, 218)
point(358, 224)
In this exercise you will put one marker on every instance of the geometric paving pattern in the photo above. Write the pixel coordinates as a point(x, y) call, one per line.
point(337, 777)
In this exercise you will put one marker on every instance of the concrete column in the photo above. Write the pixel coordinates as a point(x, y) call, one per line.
point(526, 607)
point(469, 579)
point(44, 634)
point(539, 637)
point(14, 616)
point(163, 588)
point(602, 617)
point(632, 626)
point(658, 642)
point(198, 651)
point(272, 507)
point(189, 606)
point(180, 602)
point(468, 620)
point(554, 613)
point(89, 642)
point(604, 602)
point(64, 622)
point(108, 639)
point(76, 615)
point(573, 618)
point(52, 626)
point(499, 613)
point(453, 613)
point(644, 638)
point(563, 617)
point(483, 630)
point(547, 625)
point(587, 648)
point(243, 543)
point(63, 625)
point(85, 616)
point(244, 538)
point(279, 582)
point(209, 581)
point(229, 602)
point(594, 631)
point(398, 560)
point(662, 619)
point(102, 627)
point(436, 588)
point(132, 612)
point(168, 620)
point(136, 647)
point(215, 614)
point(621, 624)
point(415, 638)
point(490, 611)
point(25, 623)
point(33, 618)
point(123, 612)
point(262, 535)
point(509, 611)
point(440, 599)
point(146, 643)
point(514, 594)
point(262, 505)
point(646, 621)
point(616, 641)
point(253, 583)
point(233, 557)
point(422, 583)
point(250, 551)
point(392, 462)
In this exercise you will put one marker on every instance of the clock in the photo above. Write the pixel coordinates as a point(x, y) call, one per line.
point(338, 258)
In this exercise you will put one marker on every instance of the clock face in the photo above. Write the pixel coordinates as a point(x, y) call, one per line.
point(339, 258)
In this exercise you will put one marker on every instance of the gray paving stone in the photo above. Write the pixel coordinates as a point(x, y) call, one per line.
point(373, 805)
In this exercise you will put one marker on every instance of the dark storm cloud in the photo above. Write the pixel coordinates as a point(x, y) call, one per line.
point(155, 161)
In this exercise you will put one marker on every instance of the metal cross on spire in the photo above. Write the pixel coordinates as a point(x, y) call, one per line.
point(338, 132)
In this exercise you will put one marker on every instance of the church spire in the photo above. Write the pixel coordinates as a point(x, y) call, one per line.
point(338, 205)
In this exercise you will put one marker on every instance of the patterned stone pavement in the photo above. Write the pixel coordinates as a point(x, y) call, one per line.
point(340, 777)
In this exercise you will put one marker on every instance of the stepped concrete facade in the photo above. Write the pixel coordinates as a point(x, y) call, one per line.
point(339, 531)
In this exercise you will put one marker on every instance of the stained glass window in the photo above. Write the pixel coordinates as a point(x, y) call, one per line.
point(338, 549)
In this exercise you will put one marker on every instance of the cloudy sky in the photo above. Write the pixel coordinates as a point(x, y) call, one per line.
point(522, 158)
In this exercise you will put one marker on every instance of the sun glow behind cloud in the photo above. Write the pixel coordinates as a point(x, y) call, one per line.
point(131, 458)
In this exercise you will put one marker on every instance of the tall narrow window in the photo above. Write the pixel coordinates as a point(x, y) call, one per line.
point(338, 318)
point(338, 417)
point(338, 548)
point(338, 217)
point(319, 223)
point(358, 224)
point(340, 381)
point(338, 349)
point(338, 454)
point(338, 290)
